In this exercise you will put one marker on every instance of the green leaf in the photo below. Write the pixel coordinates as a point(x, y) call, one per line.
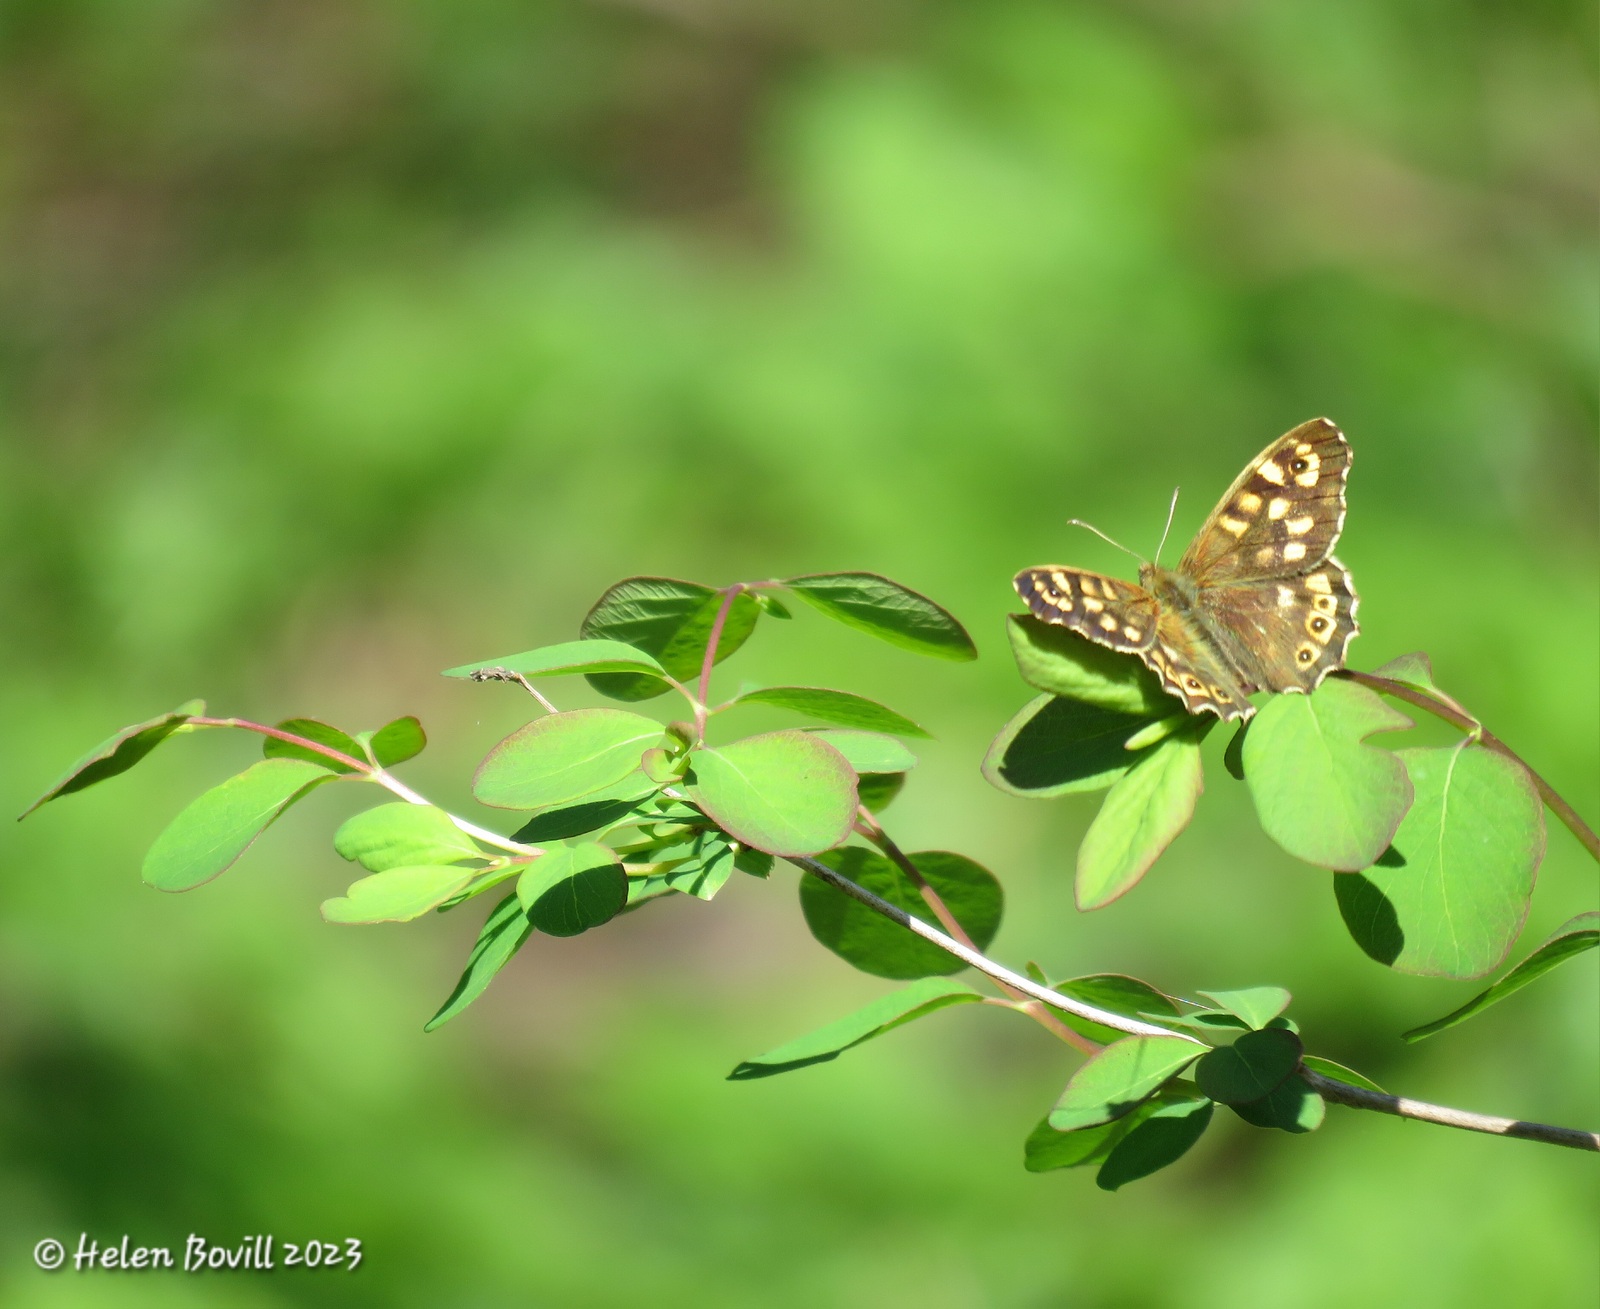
point(400, 835)
point(589, 815)
point(1451, 897)
point(1162, 1138)
point(877, 791)
point(881, 947)
point(1572, 938)
point(882, 1015)
point(395, 742)
point(397, 895)
point(1059, 661)
point(322, 734)
point(1416, 671)
point(670, 620)
point(1253, 1066)
point(1209, 1022)
point(1047, 1149)
point(1114, 991)
point(757, 863)
point(573, 887)
point(1119, 1077)
point(1290, 1107)
point(1056, 746)
point(1256, 1005)
point(1233, 756)
point(1319, 792)
point(833, 707)
point(222, 823)
point(788, 793)
point(506, 928)
point(702, 863)
point(887, 610)
point(564, 757)
point(1339, 1073)
point(770, 604)
point(1141, 816)
point(867, 752)
point(594, 656)
point(118, 753)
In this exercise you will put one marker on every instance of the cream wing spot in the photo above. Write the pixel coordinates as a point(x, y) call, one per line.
point(1272, 471)
point(1093, 606)
point(1300, 526)
point(1266, 554)
point(1248, 503)
point(1294, 552)
point(1108, 623)
point(1133, 633)
point(1319, 582)
point(1277, 508)
point(1237, 526)
point(1285, 596)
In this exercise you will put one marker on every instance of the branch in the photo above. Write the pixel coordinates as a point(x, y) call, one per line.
point(1354, 1097)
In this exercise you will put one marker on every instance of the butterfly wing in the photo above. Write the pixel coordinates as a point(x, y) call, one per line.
point(1191, 668)
point(1290, 632)
point(1282, 517)
point(1107, 610)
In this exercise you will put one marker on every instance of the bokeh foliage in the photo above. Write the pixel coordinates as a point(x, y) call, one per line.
point(341, 342)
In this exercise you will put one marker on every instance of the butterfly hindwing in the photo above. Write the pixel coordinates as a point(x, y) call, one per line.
point(1107, 610)
point(1291, 632)
point(1281, 517)
point(1191, 669)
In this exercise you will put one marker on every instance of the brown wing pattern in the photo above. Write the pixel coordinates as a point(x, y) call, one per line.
point(1282, 517)
point(1190, 668)
point(1290, 632)
point(1107, 610)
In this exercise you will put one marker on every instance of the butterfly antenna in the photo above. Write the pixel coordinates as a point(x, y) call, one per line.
point(1078, 522)
point(1171, 509)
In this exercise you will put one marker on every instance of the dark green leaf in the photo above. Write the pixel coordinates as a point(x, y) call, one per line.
point(883, 948)
point(1141, 816)
point(1047, 1149)
point(702, 864)
point(840, 707)
point(1233, 756)
point(758, 863)
point(1291, 1107)
point(1056, 746)
point(1212, 1023)
point(395, 742)
point(1061, 662)
point(1454, 893)
point(564, 757)
point(1121, 995)
point(322, 734)
point(119, 753)
point(1257, 1005)
point(397, 895)
point(502, 936)
point(1253, 1066)
point(403, 835)
point(592, 656)
point(788, 793)
point(770, 604)
point(1161, 1139)
point(670, 620)
point(573, 887)
point(1572, 938)
point(1320, 793)
point(1119, 1077)
point(590, 815)
point(887, 610)
point(882, 1015)
point(876, 791)
point(867, 752)
point(221, 824)
point(1339, 1073)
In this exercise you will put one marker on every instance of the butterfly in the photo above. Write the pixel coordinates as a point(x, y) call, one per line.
point(1257, 602)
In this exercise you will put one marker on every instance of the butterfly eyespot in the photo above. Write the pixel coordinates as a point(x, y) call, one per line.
point(1305, 654)
point(1194, 684)
point(1298, 465)
point(1319, 624)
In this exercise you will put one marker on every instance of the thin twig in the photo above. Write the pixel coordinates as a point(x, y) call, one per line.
point(511, 675)
point(1456, 718)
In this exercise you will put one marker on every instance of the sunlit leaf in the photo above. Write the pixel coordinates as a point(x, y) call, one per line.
point(561, 758)
point(788, 793)
point(321, 733)
point(395, 742)
point(867, 752)
point(1060, 662)
point(1057, 746)
point(669, 620)
point(397, 895)
point(573, 887)
point(1253, 1066)
point(118, 753)
point(1256, 1006)
point(506, 928)
point(842, 707)
point(1117, 1079)
point(887, 610)
point(1123, 995)
point(400, 834)
point(592, 656)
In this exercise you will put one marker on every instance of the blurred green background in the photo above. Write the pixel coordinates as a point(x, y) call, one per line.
point(344, 341)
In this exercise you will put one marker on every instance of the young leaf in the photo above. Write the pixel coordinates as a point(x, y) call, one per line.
point(833, 707)
point(887, 610)
point(670, 620)
point(876, 945)
point(395, 742)
point(221, 824)
point(1140, 817)
point(882, 1015)
point(506, 928)
point(1572, 938)
point(1253, 1066)
point(1291, 1106)
point(1057, 746)
point(1256, 1005)
point(1319, 792)
point(564, 757)
point(1114, 991)
point(593, 656)
point(397, 895)
point(1416, 671)
point(1338, 1072)
point(573, 887)
point(118, 753)
point(867, 752)
point(1061, 662)
point(1162, 1138)
point(787, 793)
point(1118, 1078)
point(1451, 898)
point(400, 835)
point(322, 734)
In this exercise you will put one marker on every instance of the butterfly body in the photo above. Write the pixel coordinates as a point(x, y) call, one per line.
point(1258, 602)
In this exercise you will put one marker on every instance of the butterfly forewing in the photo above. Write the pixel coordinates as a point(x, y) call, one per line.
point(1191, 668)
point(1108, 610)
point(1282, 517)
point(1291, 632)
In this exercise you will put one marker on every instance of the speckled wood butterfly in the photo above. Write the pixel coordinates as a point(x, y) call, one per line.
point(1257, 602)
